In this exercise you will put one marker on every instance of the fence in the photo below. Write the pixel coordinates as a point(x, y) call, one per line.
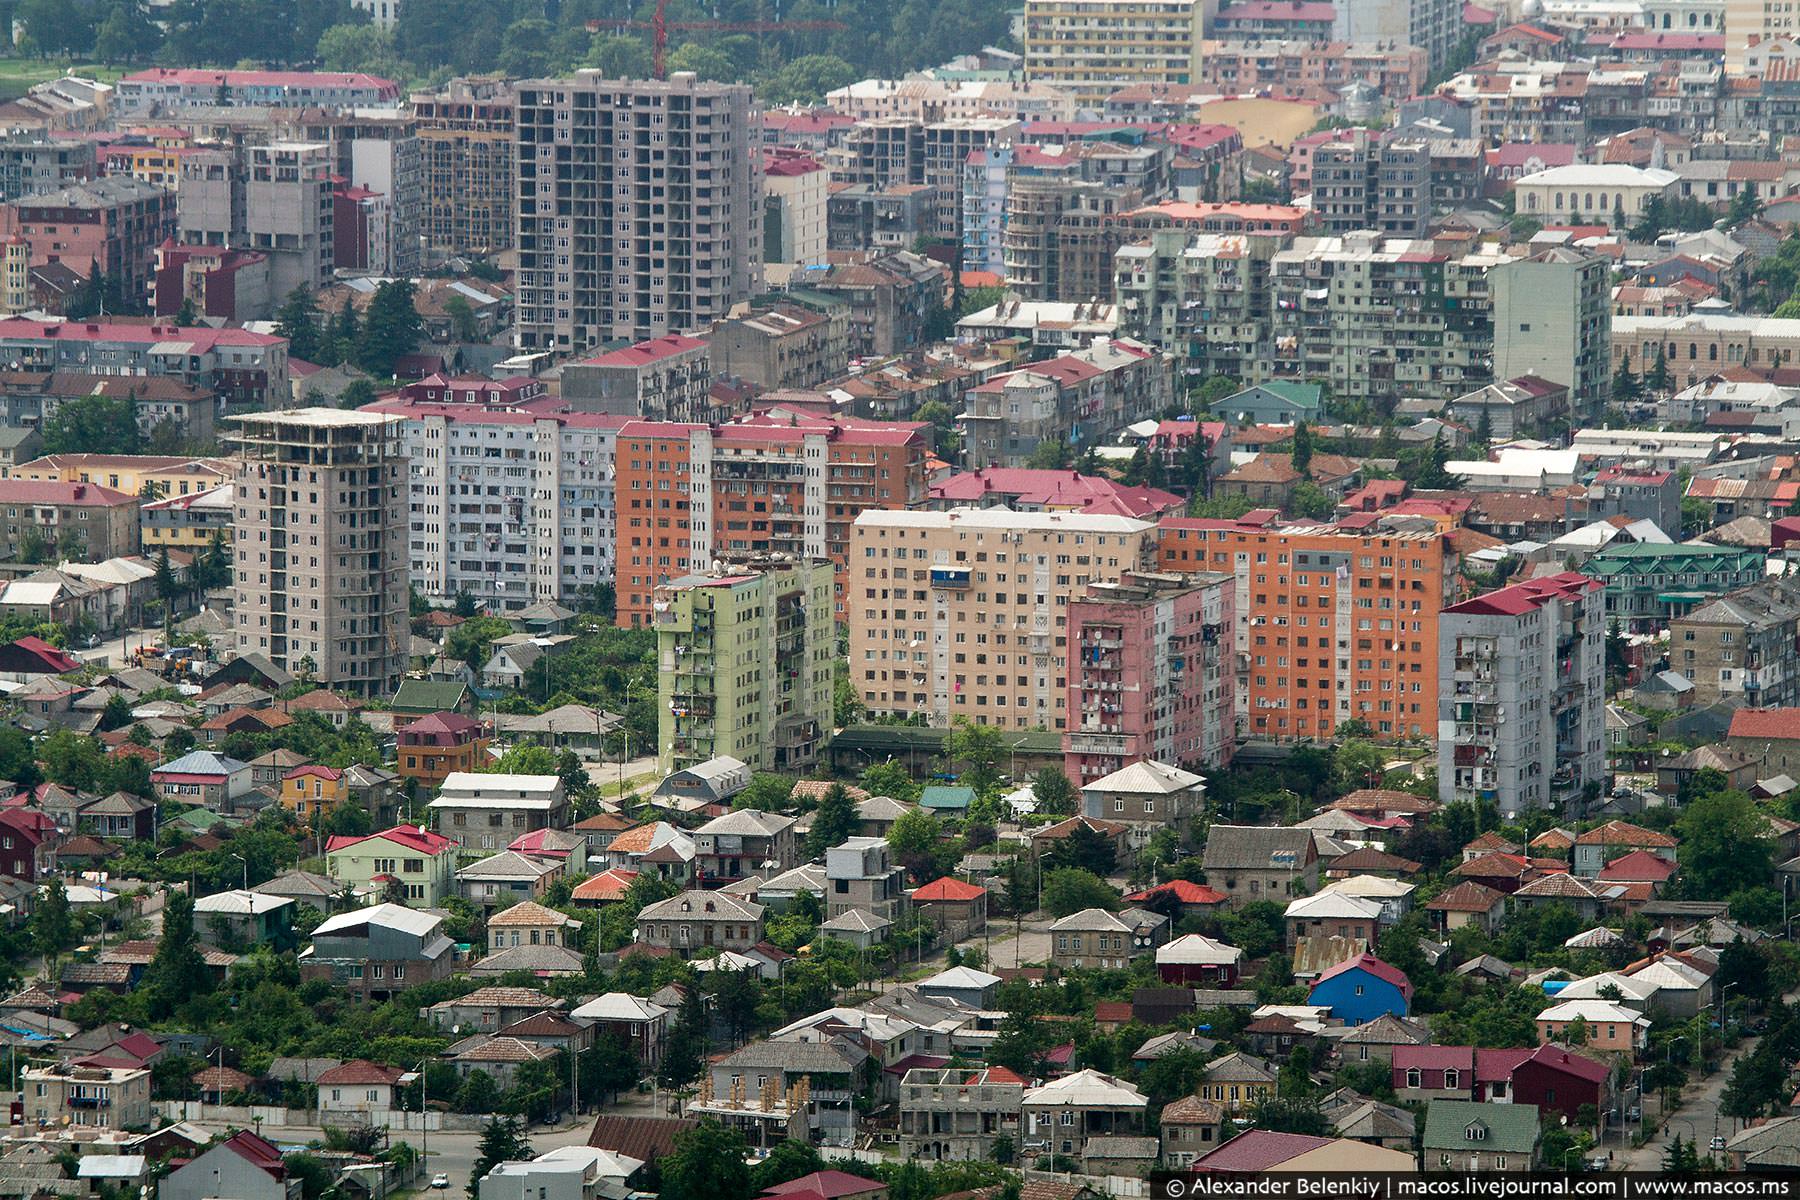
point(277, 1117)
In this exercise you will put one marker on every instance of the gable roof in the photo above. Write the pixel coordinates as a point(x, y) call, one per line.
point(1507, 1128)
point(1257, 847)
point(1370, 965)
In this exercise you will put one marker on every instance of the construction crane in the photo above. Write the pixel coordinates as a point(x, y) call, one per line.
point(659, 31)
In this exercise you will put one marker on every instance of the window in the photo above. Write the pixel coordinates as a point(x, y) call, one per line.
point(1452, 1078)
point(1413, 1078)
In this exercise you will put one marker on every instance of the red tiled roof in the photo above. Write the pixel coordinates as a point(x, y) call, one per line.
point(830, 1184)
point(1775, 724)
point(1523, 597)
point(413, 837)
point(360, 1072)
point(646, 352)
point(1369, 964)
point(1112, 1010)
point(1623, 833)
point(263, 1155)
point(1185, 892)
point(55, 491)
point(1258, 1150)
point(948, 889)
point(1638, 866)
point(1468, 896)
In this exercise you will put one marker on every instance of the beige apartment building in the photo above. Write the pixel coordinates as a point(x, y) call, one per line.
point(466, 144)
point(94, 1097)
point(964, 612)
point(1093, 48)
point(319, 572)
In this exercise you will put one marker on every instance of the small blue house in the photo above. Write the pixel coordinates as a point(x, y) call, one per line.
point(1277, 403)
point(1360, 989)
point(942, 799)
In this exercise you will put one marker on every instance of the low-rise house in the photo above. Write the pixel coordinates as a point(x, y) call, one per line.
point(484, 812)
point(1146, 796)
point(1239, 1081)
point(1602, 1025)
point(1189, 899)
point(713, 782)
point(1060, 1116)
point(965, 985)
point(359, 1087)
point(1361, 989)
point(1096, 939)
point(1467, 903)
point(94, 1097)
point(202, 777)
point(1332, 914)
point(957, 909)
point(313, 792)
point(409, 857)
point(1200, 961)
point(1562, 1081)
point(1190, 1127)
point(817, 1081)
point(876, 815)
point(1046, 838)
point(863, 930)
point(1599, 846)
point(696, 920)
point(434, 747)
point(1256, 862)
point(643, 1024)
point(860, 876)
point(373, 953)
point(958, 1114)
point(507, 878)
point(746, 841)
point(497, 1056)
point(243, 1166)
point(656, 848)
point(1375, 1041)
point(1463, 1136)
point(246, 919)
point(120, 816)
point(531, 924)
point(566, 1173)
point(489, 1009)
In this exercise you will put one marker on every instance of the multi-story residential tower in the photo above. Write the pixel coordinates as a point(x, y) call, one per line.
point(1093, 48)
point(1435, 26)
point(688, 494)
point(31, 164)
point(509, 501)
point(110, 225)
point(275, 198)
point(161, 90)
point(319, 572)
point(1553, 319)
point(640, 207)
point(467, 167)
point(1332, 624)
point(1741, 645)
point(1522, 695)
point(664, 379)
point(794, 206)
point(1152, 673)
point(745, 656)
point(1082, 397)
point(965, 612)
point(378, 150)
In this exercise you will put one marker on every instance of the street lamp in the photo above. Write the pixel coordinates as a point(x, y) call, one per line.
point(625, 747)
point(246, 863)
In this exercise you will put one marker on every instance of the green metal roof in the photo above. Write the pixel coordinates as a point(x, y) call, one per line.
point(1504, 1128)
point(947, 797)
point(429, 695)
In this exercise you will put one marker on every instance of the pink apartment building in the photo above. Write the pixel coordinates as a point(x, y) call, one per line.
point(1151, 673)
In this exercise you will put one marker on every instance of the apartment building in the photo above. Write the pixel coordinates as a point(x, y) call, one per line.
point(1649, 584)
point(892, 300)
point(662, 379)
point(1084, 397)
point(640, 207)
point(377, 151)
point(240, 368)
point(744, 672)
point(1522, 694)
point(772, 483)
point(896, 151)
point(921, 100)
point(1316, 71)
point(861, 876)
point(1332, 624)
point(1435, 26)
point(874, 216)
point(160, 91)
point(275, 198)
point(1553, 319)
point(97, 1097)
point(1152, 673)
point(467, 170)
point(32, 164)
point(113, 225)
point(506, 499)
point(81, 521)
point(782, 345)
point(1741, 646)
point(796, 185)
point(319, 581)
point(1204, 297)
point(964, 613)
point(1092, 48)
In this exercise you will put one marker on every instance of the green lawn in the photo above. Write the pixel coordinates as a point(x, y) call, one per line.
point(17, 75)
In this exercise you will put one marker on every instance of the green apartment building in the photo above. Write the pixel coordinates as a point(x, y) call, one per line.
point(1648, 584)
point(746, 656)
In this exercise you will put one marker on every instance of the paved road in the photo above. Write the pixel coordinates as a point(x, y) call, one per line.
point(116, 652)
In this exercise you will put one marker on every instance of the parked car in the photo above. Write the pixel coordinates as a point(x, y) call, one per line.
point(440, 1182)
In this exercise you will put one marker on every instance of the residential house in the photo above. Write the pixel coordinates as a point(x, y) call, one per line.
point(1255, 862)
point(1045, 839)
point(1100, 940)
point(642, 1023)
point(243, 1166)
point(434, 747)
point(1463, 1136)
point(1060, 1116)
point(1332, 914)
point(567, 1173)
point(1599, 846)
point(313, 792)
point(373, 953)
point(203, 778)
point(1145, 797)
point(1769, 736)
point(531, 924)
point(964, 985)
point(1190, 1127)
point(406, 856)
point(490, 1009)
point(1239, 1081)
point(497, 1056)
point(1199, 961)
point(958, 1114)
point(358, 1087)
point(1361, 989)
point(120, 817)
point(745, 841)
point(1559, 1080)
point(714, 781)
point(1605, 1025)
point(507, 878)
point(93, 1097)
point(861, 876)
point(697, 920)
point(1277, 403)
point(246, 919)
point(1467, 903)
point(422, 697)
point(955, 908)
point(808, 1084)
point(1375, 1041)
point(483, 812)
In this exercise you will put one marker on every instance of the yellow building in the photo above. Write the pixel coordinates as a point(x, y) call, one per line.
point(15, 275)
point(312, 792)
point(160, 165)
point(166, 475)
point(1094, 48)
point(188, 523)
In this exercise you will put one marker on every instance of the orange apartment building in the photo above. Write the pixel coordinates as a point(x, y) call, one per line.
point(1333, 624)
point(434, 747)
point(776, 482)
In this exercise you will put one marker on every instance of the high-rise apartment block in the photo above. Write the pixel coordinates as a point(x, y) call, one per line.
point(1333, 624)
point(774, 483)
point(1152, 670)
point(31, 164)
point(319, 579)
point(1093, 48)
point(1434, 26)
point(110, 225)
point(467, 166)
point(1082, 397)
point(275, 198)
point(794, 207)
point(1553, 319)
point(965, 612)
point(663, 379)
point(745, 654)
point(639, 210)
point(377, 150)
point(509, 500)
point(1522, 694)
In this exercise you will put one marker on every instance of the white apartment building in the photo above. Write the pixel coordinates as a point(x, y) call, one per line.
point(1093, 48)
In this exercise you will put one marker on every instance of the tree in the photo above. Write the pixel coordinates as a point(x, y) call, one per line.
point(93, 425)
point(391, 328)
point(525, 48)
point(704, 61)
point(1657, 378)
point(355, 47)
point(177, 973)
point(684, 1053)
point(978, 749)
point(609, 1067)
point(358, 393)
point(1050, 455)
point(707, 1164)
point(1724, 845)
point(619, 57)
point(126, 34)
point(1086, 849)
point(462, 318)
point(52, 923)
point(807, 79)
point(913, 833)
point(1072, 890)
point(166, 589)
point(346, 329)
point(1214, 389)
point(788, 1161)
point(1626, 388)
point(890, 779)
point(1433, 475)
point(833, 821)
point(1311, 501)
point(297, 320)
point(1290, 1114)
point(1055, 795)
point(1358, 764)
point(503, 1140)
point(1301, 456)
point(57, 25)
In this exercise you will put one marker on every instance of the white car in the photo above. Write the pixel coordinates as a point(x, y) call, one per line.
point(440, 1182)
